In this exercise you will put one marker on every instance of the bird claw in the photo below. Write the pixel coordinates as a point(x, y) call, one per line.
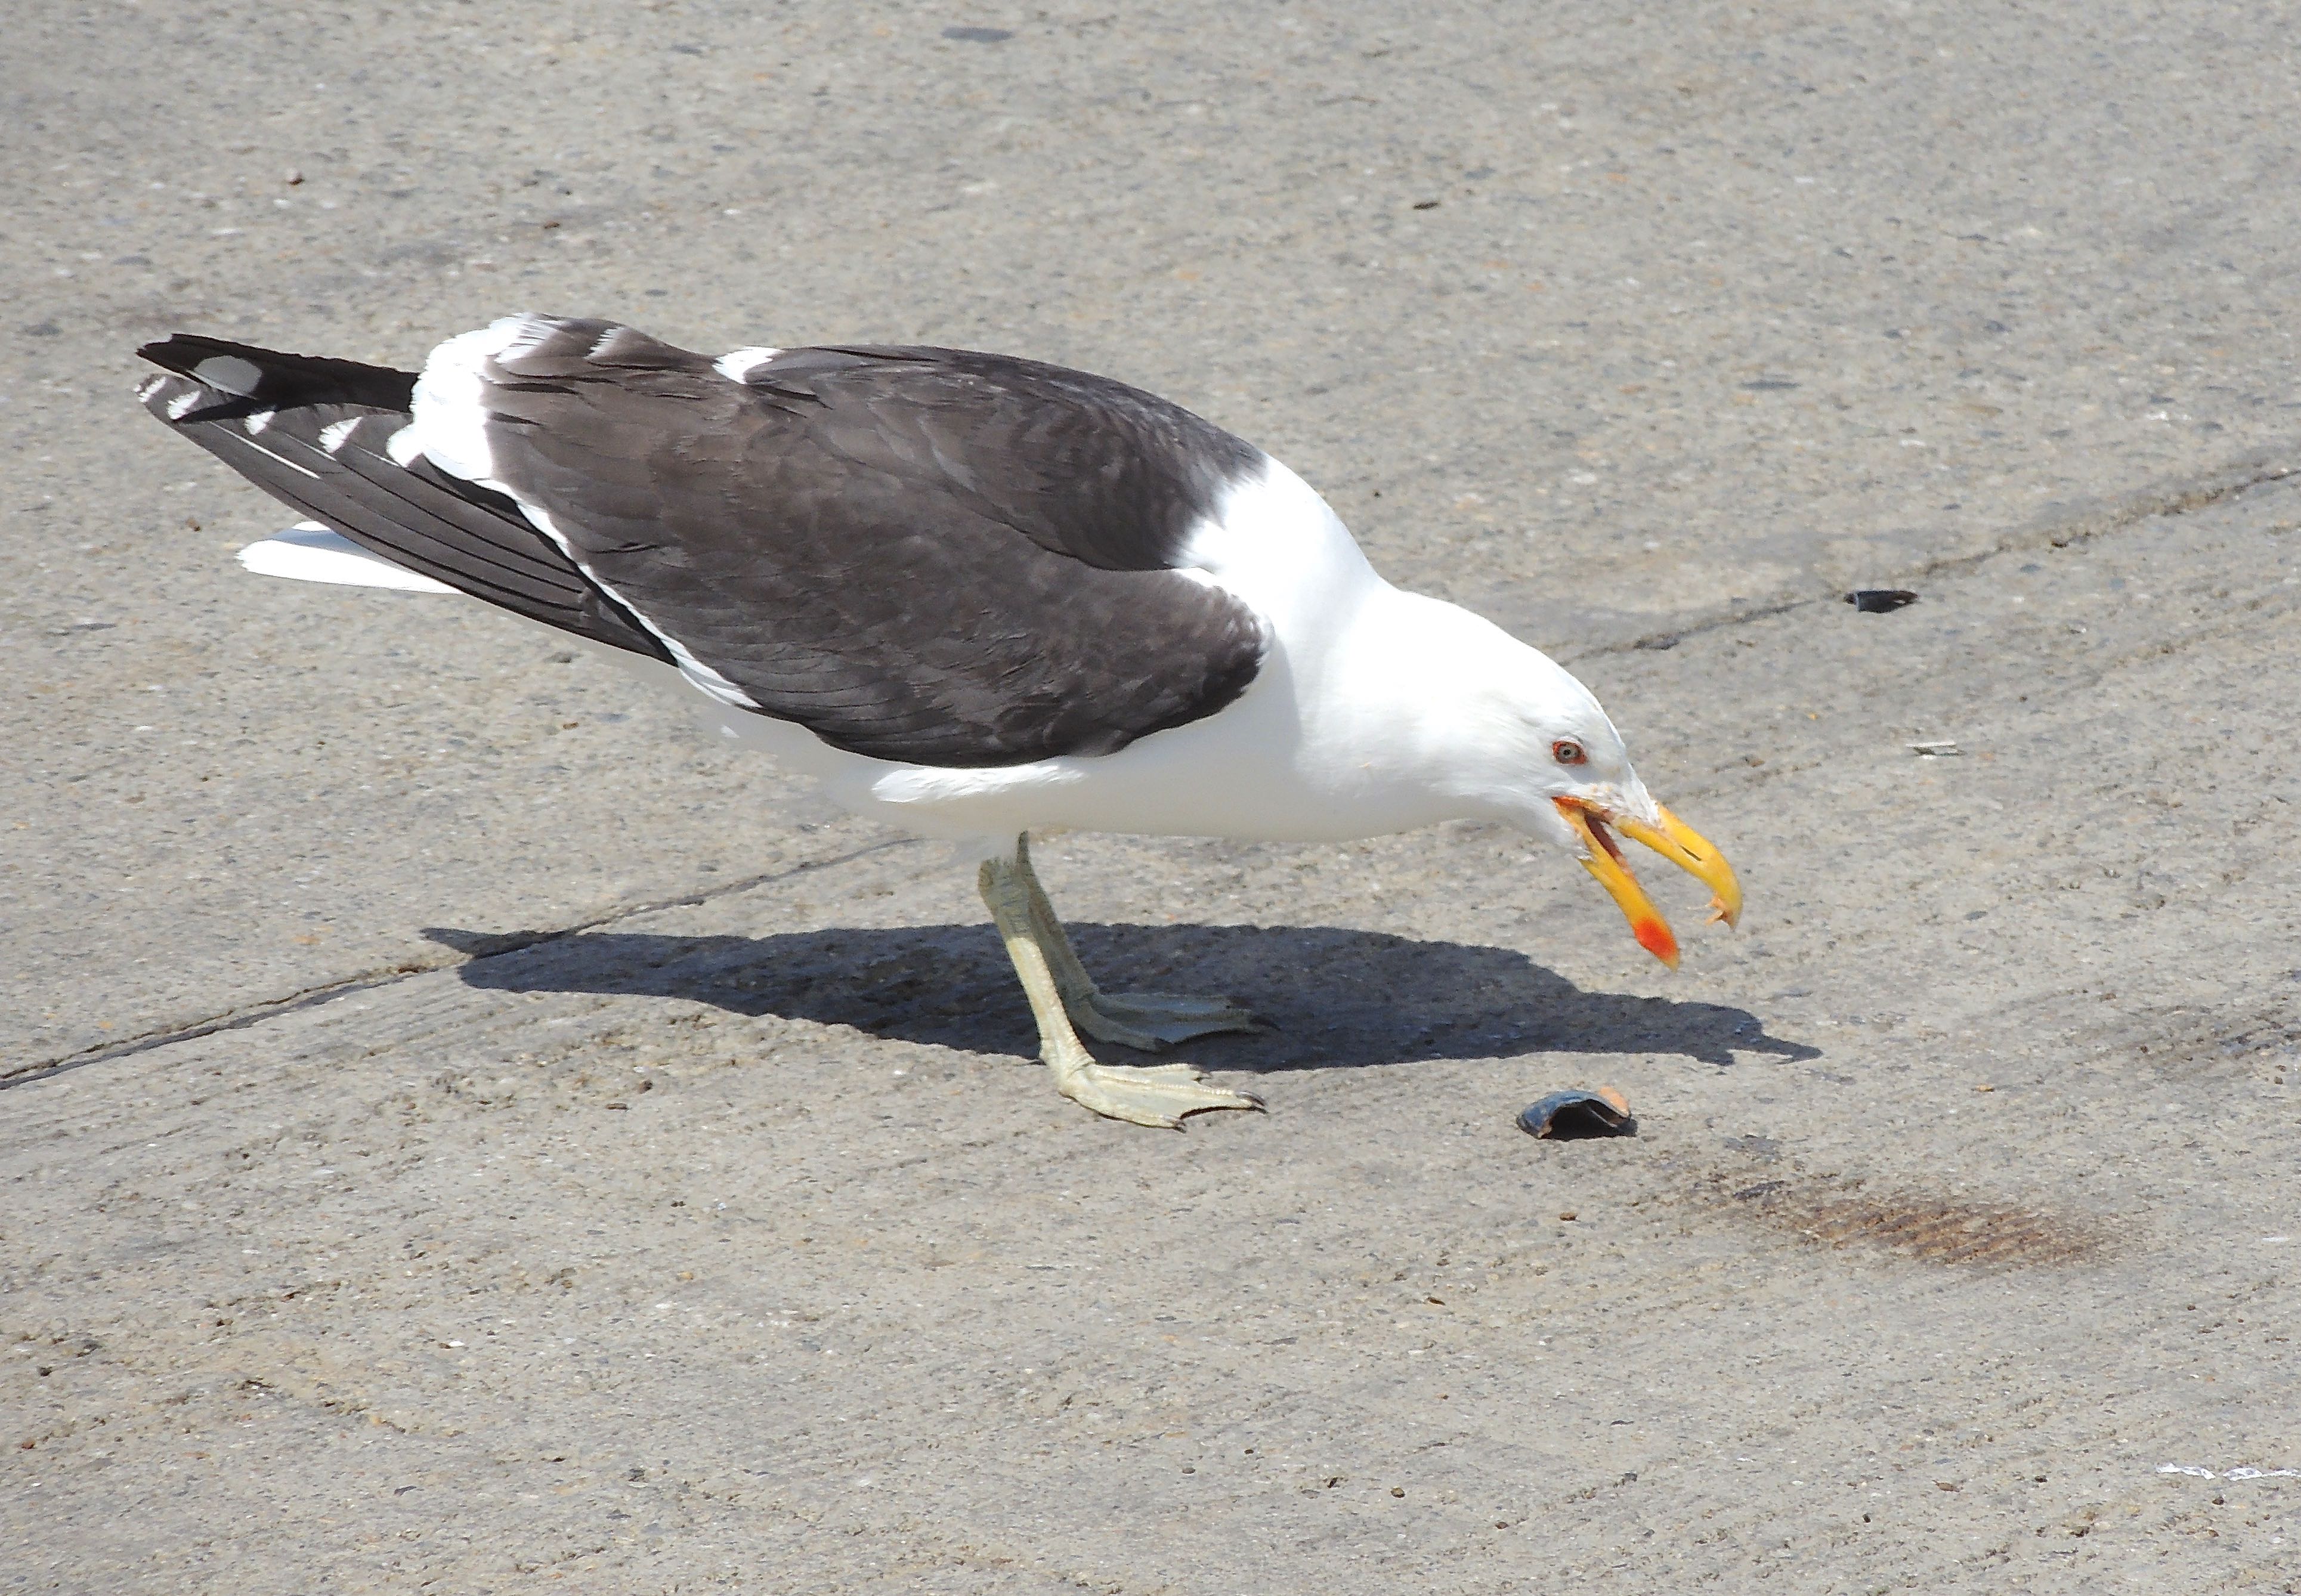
point(1158, 1094)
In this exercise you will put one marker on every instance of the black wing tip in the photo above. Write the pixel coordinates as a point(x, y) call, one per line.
point(179, 352)
point(170, 351)
point(274, 376)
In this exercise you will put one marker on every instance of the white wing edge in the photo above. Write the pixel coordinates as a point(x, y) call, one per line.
point(309, 552)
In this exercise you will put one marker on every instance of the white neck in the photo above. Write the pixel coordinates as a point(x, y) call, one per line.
point(1402, 704)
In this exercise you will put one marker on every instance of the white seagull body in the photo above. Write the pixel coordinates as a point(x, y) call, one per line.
point(972, 596)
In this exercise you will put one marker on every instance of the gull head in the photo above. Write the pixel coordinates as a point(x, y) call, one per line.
point(1548, 758)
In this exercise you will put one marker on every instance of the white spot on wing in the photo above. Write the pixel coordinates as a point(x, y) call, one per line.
point(229, 372)
point(736, 364)
point(404, 446)
point(526, 330)
point(148, 387)
point(259, 420)
point(606, 343)
point(334, 434)
point(181, 405)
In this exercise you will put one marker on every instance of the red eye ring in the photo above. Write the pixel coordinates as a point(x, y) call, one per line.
point(1567, 751)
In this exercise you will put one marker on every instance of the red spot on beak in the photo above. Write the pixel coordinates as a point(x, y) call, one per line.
point(1653, 935)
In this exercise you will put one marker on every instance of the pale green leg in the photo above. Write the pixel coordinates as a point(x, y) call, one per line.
point(1152, 1095)
point(1143, 1021)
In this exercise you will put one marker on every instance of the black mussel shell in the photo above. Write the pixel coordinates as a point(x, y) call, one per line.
point(1570, 1116)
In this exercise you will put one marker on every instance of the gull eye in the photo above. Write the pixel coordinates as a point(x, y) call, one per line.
point(1567, 751)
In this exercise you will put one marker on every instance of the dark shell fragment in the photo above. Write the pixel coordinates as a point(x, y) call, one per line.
point(1571, 1116)
point(1877, 601)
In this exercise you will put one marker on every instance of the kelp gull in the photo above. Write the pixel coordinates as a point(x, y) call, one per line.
point(974, 596)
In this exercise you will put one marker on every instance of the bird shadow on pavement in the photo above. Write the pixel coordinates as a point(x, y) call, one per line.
point(1339, 997)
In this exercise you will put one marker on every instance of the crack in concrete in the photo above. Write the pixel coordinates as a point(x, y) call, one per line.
point(312, 997)
point(2083, 528)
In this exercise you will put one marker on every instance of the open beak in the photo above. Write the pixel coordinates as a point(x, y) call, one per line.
point(1674, 840)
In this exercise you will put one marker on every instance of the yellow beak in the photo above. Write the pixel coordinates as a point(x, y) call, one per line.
point(1674, 840)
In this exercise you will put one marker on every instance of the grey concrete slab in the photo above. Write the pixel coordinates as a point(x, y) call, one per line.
point(1967, 1164)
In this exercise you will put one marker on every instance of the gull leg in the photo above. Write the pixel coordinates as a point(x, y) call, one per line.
point(1152, 1095)
point(1143, 1021)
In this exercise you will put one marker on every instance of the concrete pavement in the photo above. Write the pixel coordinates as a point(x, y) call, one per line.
point(470, 1133)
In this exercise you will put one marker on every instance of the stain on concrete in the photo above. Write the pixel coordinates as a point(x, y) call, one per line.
point(1929, 1227)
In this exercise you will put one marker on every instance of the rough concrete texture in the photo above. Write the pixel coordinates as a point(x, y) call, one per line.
point(469, 1134)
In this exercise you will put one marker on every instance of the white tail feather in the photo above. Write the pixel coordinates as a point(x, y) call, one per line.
point(309, 552)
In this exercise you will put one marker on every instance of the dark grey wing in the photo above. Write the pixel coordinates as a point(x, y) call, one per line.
point(314, 434)
point(920, 555)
